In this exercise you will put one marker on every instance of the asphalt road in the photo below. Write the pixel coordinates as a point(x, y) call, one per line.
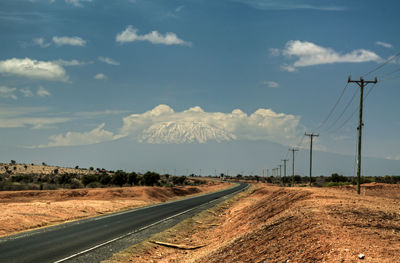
point(56, 243)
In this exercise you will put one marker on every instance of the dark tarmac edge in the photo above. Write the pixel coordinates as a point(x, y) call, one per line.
point(105, 252)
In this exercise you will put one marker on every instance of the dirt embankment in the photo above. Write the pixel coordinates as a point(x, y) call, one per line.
point(273, 224)
point(23, 210)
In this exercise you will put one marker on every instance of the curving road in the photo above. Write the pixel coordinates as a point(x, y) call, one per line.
point(62, 242)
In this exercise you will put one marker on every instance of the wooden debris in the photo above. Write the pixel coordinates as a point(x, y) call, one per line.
point(178, 246)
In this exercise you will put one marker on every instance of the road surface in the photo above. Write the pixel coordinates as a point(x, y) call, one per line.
point(57, 243)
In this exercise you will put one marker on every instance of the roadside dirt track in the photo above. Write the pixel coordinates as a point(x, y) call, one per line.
point(273, 224)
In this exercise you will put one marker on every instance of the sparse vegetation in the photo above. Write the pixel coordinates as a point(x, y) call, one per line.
point(49, 178)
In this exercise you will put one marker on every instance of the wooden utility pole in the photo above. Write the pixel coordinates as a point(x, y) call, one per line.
point(362, 83)
point(293, 150)
point(284, 168)
point(311, 140)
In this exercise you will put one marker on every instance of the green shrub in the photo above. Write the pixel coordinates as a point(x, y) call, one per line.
point(88, 179)
point(150, 178)
point(119, 178)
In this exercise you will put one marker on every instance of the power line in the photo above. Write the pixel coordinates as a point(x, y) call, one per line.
point(383, 64)
point(333, 108)
point(355, 110)
point(341, 114)
point(390, 73)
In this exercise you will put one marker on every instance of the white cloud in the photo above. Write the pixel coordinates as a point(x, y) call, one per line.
point(130, 35)
point(383, 44)
point(33, 69)
point(289, 68)
point(393, 157)
point(33, 122)
point(97, 135)
point(42, 92)
point(77, 3)
point(97, 114)
point(26, 92)
point(100, 76)
point(274, 52)
point(8, 93)
point(71, 41)
point(68, 63)
point(41, 42)
point(179, 8)
point(108, 61)
point(309, 54)
point(26, 117)
point(271, 84)
point(163, 125)
point(288, 5)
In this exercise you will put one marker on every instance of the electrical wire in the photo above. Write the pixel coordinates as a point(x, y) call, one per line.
point(383, 64)
point(333, 108)
point(390, 73)
point(341, 114)
point(394, 78)
point(357, 109)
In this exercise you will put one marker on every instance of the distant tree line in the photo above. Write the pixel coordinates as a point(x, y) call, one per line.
point(102, 179)
point(320, 181)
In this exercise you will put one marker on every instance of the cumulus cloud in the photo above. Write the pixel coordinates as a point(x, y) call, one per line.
point(42, 92)
point(310, 54)
point(163, 125)
point(76, 3)
point(100, 76)
point(274, 52)
point(71, 41)
point(94, 136)
point(32, 68)
point(288, 5)
point(108, 61)
point(41, 42)
point(130, 35)
point(383, 44)
point(271, 84)
point(8, 93)
point(69, 63)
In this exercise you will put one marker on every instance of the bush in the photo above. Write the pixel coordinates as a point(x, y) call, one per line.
point(88, 178)
point(336, 178)
point(150, 178)
point(133, 179)
point(104, 179)
point(62, 179)
point(75, 183)
point(119, 178)
point(178, 180)
point(94, 185)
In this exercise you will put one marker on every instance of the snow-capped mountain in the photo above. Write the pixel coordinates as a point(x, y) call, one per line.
point(184, 132)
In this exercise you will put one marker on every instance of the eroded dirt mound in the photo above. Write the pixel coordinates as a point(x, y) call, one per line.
point(273, 224)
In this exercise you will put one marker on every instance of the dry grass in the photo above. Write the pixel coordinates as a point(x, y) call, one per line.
point(273, 224)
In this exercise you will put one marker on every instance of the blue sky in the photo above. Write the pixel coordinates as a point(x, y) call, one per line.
point(86, 76)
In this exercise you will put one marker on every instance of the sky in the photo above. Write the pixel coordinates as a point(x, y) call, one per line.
point(199, 86)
